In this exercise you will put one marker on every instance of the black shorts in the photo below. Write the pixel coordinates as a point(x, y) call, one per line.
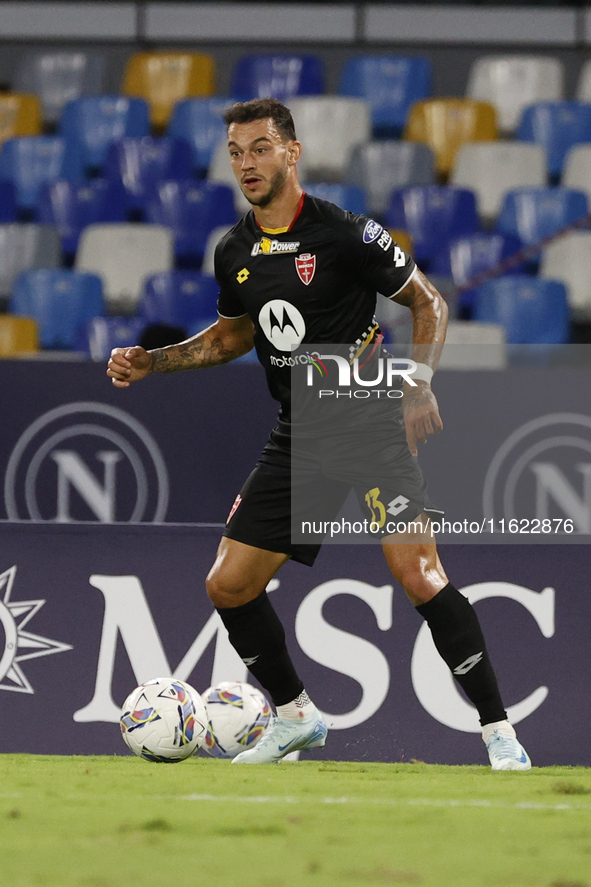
point(307, 481)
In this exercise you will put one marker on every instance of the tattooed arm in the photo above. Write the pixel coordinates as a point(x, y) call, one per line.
point(222, 342)
point(429, 314)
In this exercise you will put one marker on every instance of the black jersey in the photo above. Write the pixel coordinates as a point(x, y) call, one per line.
point(313, 283)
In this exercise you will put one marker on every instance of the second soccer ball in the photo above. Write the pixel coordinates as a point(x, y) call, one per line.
point(238, 716)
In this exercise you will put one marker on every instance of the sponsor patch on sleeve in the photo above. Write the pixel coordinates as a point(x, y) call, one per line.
point(371, 231)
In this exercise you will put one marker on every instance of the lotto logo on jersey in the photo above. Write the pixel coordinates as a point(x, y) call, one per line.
point(268, 247)
point(371, 231)
point(306, 267)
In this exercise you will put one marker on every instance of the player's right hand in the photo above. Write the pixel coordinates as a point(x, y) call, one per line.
point(127, 365)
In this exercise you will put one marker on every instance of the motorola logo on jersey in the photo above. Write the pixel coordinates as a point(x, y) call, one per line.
point(542, 473)
point(282, 324)
point(86, 461)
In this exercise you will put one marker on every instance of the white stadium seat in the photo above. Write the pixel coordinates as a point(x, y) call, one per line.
point(380, 167)
point(511, 82)
point(23, 247)
point(492, 168)
point(123, 255)
point(212, 241)
point(474, 346)
point(577, 170)
point(584, 83)
point(329, 127)
point(568, 259)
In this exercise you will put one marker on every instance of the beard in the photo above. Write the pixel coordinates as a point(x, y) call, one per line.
point(275, 188)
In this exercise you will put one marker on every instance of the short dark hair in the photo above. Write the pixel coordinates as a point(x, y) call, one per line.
point(259, 109)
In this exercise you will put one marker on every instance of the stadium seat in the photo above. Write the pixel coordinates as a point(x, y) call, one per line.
point(433, 215)
point(465, 257)
point(556, 126)
point(511, 82)
point(123, 255)
point(33, 161)
point(7, 202)
point(279, 76)
point(102, 334)
point(59, 76)
point(568, 260)
point(199, 122)
point(220, 172)
point(192, 209)
point(20, 115)
point(391, 84)
point(532, 311)
point(583, 93)
point(179, 298)
point(18, 335)
point(380, 167)
point(534, 213)
point(446, 124)
point(208, 266)
point(165, 78)
point(576, 171)
point(26, 246)
point(138, 164)
point(329, 127)
point(71, 207)
point(348, 197)
point(93, 123)
point(60, 301)
point(490, 169)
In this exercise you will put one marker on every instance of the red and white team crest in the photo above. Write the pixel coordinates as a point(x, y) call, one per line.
point(306, 267)
point(234, 508)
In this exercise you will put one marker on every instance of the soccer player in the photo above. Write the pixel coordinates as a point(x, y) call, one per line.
point(298, 270)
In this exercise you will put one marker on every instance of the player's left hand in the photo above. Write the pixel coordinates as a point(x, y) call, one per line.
point(421, 414)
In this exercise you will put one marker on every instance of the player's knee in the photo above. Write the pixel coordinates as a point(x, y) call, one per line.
point(225, 588)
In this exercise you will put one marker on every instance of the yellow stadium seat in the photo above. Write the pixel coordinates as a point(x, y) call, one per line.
point(18, 335)
point(446, 124)
point(164, 78)
point(20, 115)
point(402, 238)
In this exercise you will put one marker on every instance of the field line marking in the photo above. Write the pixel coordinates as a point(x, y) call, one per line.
point(390, 802)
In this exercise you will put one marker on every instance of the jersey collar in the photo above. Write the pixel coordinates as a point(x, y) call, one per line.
point(292, 223)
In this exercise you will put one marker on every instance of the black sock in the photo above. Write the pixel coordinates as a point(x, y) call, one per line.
point(258, 637)
point(460, 643)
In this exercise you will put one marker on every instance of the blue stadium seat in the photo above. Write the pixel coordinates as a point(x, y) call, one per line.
point(556, 126)
point(60, 301)
point(279, 76)
point(179, 298)
point(7, 202)
point(390, 83)
point(192, 209)
point(348, 197)
point(102, 334)
point(93, 123)
point(199, 122)
point(71, 207)
point(534, 213)
point(532, 311)
point(138, 164)
point(465, 257)
point(32, 161)
point(433, 215)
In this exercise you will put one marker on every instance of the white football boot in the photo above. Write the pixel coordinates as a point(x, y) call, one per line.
point(505, 752)
point(282, 737)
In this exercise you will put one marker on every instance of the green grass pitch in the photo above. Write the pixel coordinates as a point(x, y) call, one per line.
point(115, 821)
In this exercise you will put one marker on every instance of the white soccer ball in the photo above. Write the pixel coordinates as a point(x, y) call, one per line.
point(238, 716)
point(164, 721)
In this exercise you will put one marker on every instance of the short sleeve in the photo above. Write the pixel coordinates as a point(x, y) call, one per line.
point(229, 305)
point(378, 259)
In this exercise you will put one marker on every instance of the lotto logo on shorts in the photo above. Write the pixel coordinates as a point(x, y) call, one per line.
point(234, 508)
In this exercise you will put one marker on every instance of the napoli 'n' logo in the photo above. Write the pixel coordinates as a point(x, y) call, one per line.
point(18, 643)
point(371, 231)
point(282, 324)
